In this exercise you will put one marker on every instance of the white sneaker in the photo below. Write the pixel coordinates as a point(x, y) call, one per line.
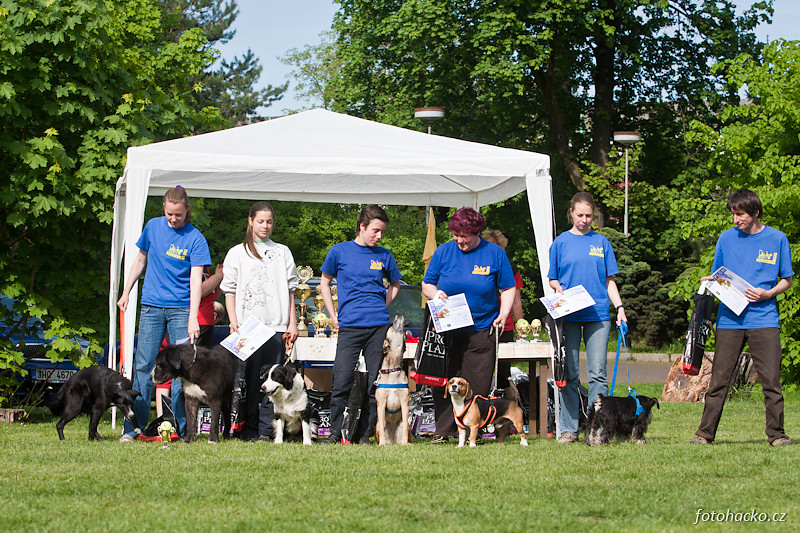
point(126, 438)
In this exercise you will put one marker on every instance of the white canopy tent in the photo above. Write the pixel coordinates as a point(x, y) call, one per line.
point(321, 156)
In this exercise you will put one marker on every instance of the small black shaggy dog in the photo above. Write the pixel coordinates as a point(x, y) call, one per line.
point(612, 416)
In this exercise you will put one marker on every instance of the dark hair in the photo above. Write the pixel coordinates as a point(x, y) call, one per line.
point(747, 201)
point(368, 214)
point(466, 221)
point(580, 198)
point(249, 242)
point(178, 195)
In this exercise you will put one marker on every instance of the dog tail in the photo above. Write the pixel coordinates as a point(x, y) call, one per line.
point(511, 392)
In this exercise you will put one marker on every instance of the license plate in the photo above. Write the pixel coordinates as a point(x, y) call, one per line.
point(53, 375)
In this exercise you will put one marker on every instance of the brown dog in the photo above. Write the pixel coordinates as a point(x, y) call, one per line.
point(474, 412)
point(391, 388)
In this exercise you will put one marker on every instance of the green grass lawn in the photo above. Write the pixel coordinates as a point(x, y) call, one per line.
point(78, 485)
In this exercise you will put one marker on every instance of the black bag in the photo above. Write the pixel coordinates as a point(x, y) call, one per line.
point(430, 361)
point(355, 418)
point(697, 334)
point(555, 330)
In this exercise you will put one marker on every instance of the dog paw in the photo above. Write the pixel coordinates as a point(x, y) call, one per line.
point(213, 442)
point(523, 442)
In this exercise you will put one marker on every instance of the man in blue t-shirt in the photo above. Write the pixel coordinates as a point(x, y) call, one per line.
point(761, 256)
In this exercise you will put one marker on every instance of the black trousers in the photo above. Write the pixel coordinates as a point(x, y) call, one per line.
point(471, 356)
point(269, 354)
point(351, 343)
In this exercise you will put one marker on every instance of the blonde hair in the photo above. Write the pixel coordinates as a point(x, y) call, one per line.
point(178, 195)
point(496, 236)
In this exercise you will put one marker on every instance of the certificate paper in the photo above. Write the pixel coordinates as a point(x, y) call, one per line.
point(452, 313)
point(252, 335)
point(729, 288)
point(571, 300)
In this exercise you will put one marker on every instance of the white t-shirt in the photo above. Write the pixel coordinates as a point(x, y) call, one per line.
point(261, 285)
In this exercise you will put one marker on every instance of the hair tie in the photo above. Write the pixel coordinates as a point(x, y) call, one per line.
point(178, 187)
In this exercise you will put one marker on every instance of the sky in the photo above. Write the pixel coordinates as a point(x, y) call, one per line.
point(270, 28)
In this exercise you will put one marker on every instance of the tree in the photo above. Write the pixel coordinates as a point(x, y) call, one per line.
point(231, 86)
point(550, 75)
point(315, 69)
point(757, 147)
point(80, 81)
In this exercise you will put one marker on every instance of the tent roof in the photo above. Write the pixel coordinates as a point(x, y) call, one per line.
point(322, 156)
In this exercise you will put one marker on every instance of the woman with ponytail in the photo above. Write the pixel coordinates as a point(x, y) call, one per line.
point(259, 280)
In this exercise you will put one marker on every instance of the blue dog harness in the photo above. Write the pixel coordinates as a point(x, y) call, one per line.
point(391, 385)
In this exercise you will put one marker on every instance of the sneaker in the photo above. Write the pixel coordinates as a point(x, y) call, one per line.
point(126, 438)
point(332, 440)
point(782, 441)
point(439, 439)
point(700, 440)
point(567, 437)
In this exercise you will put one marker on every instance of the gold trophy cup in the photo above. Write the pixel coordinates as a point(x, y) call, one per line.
point(320, 321)
point(536, 324)
point(304, 273)
point(335, 298)
point(522, 328)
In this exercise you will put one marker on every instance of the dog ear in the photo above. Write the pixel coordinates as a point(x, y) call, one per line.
point(446, 389)
point(385, 347)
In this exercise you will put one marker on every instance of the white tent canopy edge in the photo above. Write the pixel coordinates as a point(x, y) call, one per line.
point(321, 156)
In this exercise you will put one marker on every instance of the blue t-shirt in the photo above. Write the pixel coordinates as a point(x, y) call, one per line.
point(480, 274)
point(584, 260)
point(359, 272)
point(171, 254)
point(761, 259)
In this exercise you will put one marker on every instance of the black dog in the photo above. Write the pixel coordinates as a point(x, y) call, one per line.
point(207, 376)
point(92, 390)
point(612, 416)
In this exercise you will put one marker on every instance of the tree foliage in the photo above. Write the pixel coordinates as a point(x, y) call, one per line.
point(80, 81)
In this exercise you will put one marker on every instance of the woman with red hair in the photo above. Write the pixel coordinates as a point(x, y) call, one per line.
point(482, 272)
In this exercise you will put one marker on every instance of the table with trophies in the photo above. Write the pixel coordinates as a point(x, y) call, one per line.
point(321, 348)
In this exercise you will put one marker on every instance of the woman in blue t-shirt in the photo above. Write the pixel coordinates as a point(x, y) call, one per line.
point(582, 257)
point(482, 272)
point(174, 253)
point(359, 267)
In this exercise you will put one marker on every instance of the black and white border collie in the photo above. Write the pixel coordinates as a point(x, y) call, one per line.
point(292, 410)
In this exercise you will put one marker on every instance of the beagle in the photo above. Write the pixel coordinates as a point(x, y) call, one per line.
point(475, 412)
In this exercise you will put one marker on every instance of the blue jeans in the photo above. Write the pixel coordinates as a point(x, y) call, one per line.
point(154, 323)
point(595, 337)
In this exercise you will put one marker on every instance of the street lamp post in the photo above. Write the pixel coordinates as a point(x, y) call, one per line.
point(429, 115)
point(627, 138)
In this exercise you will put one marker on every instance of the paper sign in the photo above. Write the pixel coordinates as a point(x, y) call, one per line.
point(730, 289)
point(449, 314)
point(251, 336)
point(569, 301)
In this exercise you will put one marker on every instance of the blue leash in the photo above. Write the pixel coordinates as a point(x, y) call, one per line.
point(622, 330)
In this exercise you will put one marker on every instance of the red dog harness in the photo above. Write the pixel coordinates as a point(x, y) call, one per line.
point(486, 409)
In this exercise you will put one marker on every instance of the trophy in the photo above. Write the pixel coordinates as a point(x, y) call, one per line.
point(335, 298)
point(303, 291)
point(536, 324)
point(523, 328)
point(320, 321)
point(165, 429)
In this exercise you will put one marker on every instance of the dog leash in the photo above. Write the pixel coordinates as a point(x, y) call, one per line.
point(622, 331)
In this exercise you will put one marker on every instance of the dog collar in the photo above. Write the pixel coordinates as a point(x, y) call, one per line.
point(639, 409)
point(391, 386)
point(390, 370)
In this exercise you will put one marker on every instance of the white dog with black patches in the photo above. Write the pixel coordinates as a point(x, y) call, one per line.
point(292, 410)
